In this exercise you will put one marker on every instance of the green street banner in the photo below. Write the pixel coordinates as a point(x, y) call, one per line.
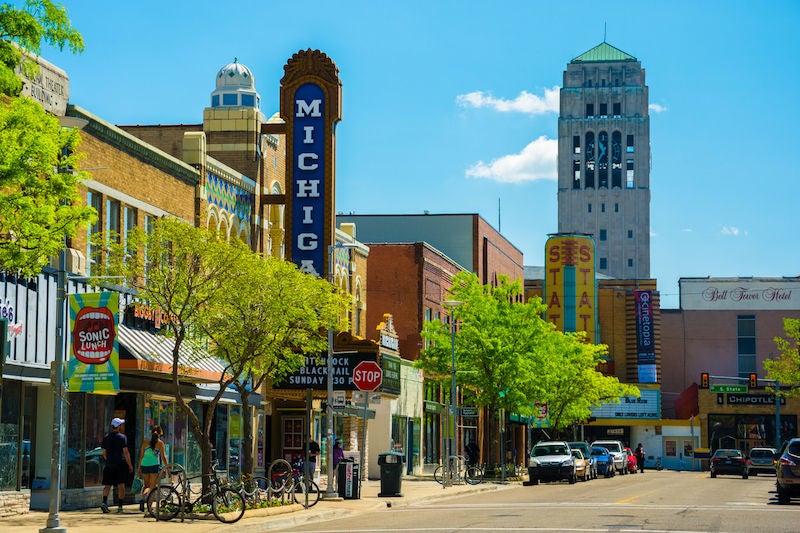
point(94, 365)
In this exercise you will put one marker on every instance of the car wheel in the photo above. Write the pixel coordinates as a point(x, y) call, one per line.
point(573, 477)
point(755, 473)
point(535, 482)
point(744, 476)
point(713, 474)
point(783, 497)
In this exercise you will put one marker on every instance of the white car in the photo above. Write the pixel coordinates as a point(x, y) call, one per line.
point(617, 451)
point(551, 461)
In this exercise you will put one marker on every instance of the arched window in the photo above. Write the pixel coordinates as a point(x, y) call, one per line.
point(602, 160)
point(589, 160)
point(616, 160)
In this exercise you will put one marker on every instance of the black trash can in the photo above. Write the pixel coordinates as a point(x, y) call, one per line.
point(347, 476)
point(391, 464)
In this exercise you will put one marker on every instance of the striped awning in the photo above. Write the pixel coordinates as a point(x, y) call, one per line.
point(155, 352)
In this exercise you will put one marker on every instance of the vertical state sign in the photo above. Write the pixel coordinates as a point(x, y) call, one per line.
point(94, 365)
point(569, 284)
point(311, 96)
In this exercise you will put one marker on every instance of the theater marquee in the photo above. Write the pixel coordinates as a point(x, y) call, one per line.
point(311, 95)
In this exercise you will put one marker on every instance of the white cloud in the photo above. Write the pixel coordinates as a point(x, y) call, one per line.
point(524, 103)
point(657, 108)
point(687, 230)
point(730, 230)
point(537, 161)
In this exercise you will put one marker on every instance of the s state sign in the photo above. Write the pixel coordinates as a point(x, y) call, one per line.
point(367, 375)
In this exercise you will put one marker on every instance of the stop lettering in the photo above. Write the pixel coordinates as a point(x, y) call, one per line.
point(367, 376)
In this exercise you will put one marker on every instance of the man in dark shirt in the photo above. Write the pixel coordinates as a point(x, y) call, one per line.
point(313, 452)
point(118, 464)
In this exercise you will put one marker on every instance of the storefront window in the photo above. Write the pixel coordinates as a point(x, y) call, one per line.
point(99, 412)
point(235, 435)
point(194, 456)
point(9, 435)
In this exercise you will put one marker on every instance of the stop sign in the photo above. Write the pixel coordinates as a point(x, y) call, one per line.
point(367, 375)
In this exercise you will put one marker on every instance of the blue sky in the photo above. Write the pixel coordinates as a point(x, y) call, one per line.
point(452, 106)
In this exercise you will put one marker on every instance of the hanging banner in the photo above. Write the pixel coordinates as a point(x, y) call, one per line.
point(542, 415)
point(94, 365)
point(645, 346)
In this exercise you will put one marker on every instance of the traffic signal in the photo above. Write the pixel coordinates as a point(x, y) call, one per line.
point(704, 380)
point(753, 381)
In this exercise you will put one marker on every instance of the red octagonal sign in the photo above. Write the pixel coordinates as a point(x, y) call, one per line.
point(367, 375)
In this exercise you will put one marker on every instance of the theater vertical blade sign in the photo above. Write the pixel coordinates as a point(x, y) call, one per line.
point(94, 362)
point(310, 106)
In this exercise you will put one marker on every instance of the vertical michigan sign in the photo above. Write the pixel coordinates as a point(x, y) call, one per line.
point(569, 284)
point(311, 95)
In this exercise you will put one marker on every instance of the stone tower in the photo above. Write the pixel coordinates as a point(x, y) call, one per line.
point(604, 159)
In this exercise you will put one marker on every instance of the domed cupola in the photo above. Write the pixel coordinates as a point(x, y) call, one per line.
point(236, 87)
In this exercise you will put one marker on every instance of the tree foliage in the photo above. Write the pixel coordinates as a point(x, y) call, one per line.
point(184, 272)
point(23, 31)
point(39, 200)
point(786, 368)
point(266, 324)
point(511, 358)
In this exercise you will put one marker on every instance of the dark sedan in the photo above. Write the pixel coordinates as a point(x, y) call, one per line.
point(728, 461)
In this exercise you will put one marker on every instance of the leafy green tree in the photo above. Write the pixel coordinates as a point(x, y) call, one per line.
point(267, 322)
point(22, 31)
point(39, 200)
point(571, 381)
point(498, 346)
point(786, 368)
point(185, 272)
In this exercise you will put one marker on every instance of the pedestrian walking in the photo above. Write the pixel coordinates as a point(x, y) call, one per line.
point(338, 456)
point(152, 459)
point(639, 453)
point(118, 464)
point(312, 450)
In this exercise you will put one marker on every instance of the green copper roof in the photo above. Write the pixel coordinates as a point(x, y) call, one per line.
point(603, 52)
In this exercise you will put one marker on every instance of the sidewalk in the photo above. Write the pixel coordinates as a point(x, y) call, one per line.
point(414, 489)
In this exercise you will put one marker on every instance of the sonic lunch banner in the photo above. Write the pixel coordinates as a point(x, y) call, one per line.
point(94, 365)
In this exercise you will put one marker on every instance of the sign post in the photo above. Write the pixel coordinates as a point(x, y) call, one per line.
point(367, 376)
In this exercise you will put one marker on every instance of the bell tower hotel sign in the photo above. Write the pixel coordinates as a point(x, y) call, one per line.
point(755, 294)
point(311, 103)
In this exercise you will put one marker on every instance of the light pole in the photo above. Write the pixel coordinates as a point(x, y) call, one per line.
point(451, 304)
point(330, 492)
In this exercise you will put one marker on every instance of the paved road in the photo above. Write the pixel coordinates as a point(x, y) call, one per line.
point(653, 502)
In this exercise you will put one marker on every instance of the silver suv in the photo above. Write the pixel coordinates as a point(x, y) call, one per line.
point(551, 461)
point(617, 451)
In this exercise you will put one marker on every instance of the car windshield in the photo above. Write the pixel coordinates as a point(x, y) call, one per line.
point(727, 453)
point(599, 451)
point(612, 447)
point(539, 451)
point(759, 454)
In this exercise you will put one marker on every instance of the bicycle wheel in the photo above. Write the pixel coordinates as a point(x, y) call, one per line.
point(280, 472)
point(227, 506)
point(438, 473)
point(163, 503)
point(303, 488)
point(473, 475)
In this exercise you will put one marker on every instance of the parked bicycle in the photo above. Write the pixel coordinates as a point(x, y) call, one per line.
point(168, 500)
point(289, 480)
point(458, 471)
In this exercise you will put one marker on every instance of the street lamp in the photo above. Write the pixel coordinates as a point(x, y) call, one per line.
point(330, 492)
point(451, 304)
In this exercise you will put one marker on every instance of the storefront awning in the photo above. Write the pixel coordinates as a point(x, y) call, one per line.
point(146, 351)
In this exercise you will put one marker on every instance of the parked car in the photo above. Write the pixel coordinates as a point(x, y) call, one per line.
point(729, 461)
point(551, 461)
point(616, 450)
point(788, 472)
point(763, 460)
point(584, 447)
point(630, 461)
point(582, 468)
point(604, 460)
